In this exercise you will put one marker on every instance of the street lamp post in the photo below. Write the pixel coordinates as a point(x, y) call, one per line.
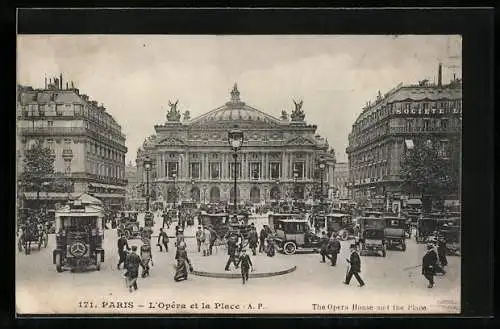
point(322, 170)
point(295, 177)
point(235, 139)
point(174, 176)
point(192, 189)
point(147, 167)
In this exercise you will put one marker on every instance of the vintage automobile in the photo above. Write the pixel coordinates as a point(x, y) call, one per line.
point(451, 235)
point(372, 236)
point(292, 233)
point(428, 227)
point(394, 232)
point(79, 236)
point(339, 223)
point(129, 225)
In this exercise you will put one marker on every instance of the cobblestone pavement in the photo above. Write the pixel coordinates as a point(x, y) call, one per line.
point(391, 281)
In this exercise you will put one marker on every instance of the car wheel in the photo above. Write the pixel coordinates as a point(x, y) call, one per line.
point(290, 248)
point(58, 263)
point(343, 235)
point(127, 235)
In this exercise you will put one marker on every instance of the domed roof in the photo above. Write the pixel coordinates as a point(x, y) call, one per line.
point(235, 110)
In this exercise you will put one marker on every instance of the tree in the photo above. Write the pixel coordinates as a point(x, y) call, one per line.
point(431, 169)
point(38, 167)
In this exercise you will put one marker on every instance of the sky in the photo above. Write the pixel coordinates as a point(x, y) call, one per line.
point(135, 76)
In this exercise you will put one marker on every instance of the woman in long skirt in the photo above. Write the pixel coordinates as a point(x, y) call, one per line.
point(183, 264)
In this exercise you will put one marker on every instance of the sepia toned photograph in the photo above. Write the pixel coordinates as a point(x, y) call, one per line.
point(238, 174)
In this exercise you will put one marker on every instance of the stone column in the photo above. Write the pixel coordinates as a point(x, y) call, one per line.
point(266, 166)
point(244, 162)
point(204, 165)
point(186, 174)
point(283, 166)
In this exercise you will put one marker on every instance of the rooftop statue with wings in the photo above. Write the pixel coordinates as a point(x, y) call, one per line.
point(173, 114)
point(298, 114)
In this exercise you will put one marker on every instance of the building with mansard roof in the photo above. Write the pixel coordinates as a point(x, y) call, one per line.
point(388, 127)
point(87, 142)
point(192, 159)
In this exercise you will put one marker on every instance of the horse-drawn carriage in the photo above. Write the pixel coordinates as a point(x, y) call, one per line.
point(33, 232)
point(79, 235)
point(428, 227)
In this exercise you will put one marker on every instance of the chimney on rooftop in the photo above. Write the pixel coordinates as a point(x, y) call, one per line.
point(440, 74)
point(45, 82)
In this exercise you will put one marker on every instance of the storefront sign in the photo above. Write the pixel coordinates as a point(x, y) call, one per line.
point(434, 111)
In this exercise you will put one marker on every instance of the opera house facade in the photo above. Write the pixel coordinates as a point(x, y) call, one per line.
point(279, 158)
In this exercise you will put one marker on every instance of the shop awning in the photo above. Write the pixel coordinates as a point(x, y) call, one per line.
point(115, 187)
point(88, 199)
point(109, 195)
point(451, 203)
point(50, 195)
point(414, 202)
point(409, 144)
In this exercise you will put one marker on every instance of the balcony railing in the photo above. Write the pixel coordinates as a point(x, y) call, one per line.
point(52, 131)
point(413, 130)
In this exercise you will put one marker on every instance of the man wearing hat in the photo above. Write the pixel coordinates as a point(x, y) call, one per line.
point(355, 267)
point(429, 264)
point(323, 242)
point(334, 248)
point(200, 238)
point(162, 240)
point(231, 250)
point(253, 239)
point(245, 263)
point(132, 264)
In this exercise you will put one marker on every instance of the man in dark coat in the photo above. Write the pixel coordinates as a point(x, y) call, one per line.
point(253, 239)
point(213, 238)
point(132, 263)
point(122, 247)
point(263, 235)
point(333, 249)
point(429, 264)
point(245, 263)
point(354, 268)
point(200, 238)
point(231, 251)
point(323, 242)
point(162, 240)
point(441, 249)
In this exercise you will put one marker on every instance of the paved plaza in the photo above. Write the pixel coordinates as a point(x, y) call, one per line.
point(393, 278)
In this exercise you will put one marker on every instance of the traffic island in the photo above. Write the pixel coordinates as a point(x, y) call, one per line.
point(264, 266)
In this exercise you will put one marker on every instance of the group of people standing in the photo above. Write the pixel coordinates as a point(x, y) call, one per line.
point(132, 261)
point(205, 239)
point(434, 261)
